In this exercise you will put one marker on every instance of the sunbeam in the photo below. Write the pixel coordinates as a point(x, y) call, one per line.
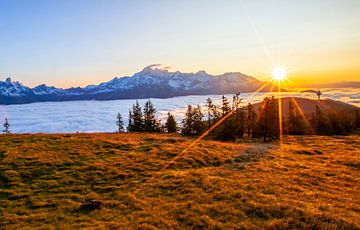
point(197, 140)
point(297, 106)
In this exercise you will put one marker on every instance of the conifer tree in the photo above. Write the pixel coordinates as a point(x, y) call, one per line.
point(187, 122)
point(321, 124)
point(225, 108)
point(130, 127)
point(209, 105)
point(170, 125)
point(6, 126)
point(295, 123)
point(238, 123)
point(236, 101)
point(136, 121)
point(150, 123)
point(233, 127)
point(120, 123)
point(193, 123)
point(251, 120)
point(263, 122)
point(274, 126)
point(268, 122)
point(198, 122)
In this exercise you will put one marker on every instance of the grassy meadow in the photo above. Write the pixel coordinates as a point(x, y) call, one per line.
point(310, 182)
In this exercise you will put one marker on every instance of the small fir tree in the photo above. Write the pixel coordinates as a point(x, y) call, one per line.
point(137, 118)
point(120, 123)
point(150, 123)
point(6, 127)
point(225, 108)
point(170, 125)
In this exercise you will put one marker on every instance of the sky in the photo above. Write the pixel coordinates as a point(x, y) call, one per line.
point(80, 42)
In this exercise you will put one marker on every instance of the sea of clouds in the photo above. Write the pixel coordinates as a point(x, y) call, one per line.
point(100, 116)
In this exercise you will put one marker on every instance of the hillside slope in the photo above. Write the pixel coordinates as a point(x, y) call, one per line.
point(308, 106)
point(309, 184)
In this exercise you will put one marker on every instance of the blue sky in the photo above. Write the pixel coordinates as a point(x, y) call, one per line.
point(79, 42)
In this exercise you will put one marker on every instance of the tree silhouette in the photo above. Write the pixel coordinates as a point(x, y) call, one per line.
point(6, 127)
point(209, 105)
point(136, 121)
point(150, 123)
point(198, 121)
point(213, 114)
point(170, 125)
point(188, 121)
point(193, 123)
point(225, 108)
point(236, 101)
point(251, 120)
point(268, 123)
point(130, 126)
point(295, 122)
point(120, 123)
point(320, 122)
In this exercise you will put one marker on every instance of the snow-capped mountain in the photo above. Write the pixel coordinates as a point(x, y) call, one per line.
point(13, 89)
point(152, 81)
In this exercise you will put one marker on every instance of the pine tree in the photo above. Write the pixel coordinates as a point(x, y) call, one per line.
point(234, 126)
point(274, 126)
point(321, 122)
point(295, 123)
point(150, 123)
point(226, 130)
point(209, 105)
point(236, 101)
point(198, 122)
point(238, 118)
point(291, 119)
point(225, 108)
point(120, 123)
point(251, 120)
point(187, 122)
point(239, 122)
point(170, 125)
point(193, 123)
point(6, 126)
point(268, 122)
point(136, 121)
point(130, 127)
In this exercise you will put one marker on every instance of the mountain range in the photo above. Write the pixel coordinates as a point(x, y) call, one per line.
point(152, 82)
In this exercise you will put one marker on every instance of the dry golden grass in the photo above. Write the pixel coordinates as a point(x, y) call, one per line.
point(312, 182)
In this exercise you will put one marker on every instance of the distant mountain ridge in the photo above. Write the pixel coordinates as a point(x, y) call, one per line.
point(151, 82)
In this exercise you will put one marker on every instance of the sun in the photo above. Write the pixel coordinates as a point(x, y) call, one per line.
point(279, 73)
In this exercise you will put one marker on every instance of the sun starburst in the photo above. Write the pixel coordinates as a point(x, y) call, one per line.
point(279, 73)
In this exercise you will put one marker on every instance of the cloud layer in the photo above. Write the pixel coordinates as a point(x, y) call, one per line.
point(100, 116)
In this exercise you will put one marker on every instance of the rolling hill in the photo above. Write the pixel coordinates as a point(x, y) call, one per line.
point(308, 106)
